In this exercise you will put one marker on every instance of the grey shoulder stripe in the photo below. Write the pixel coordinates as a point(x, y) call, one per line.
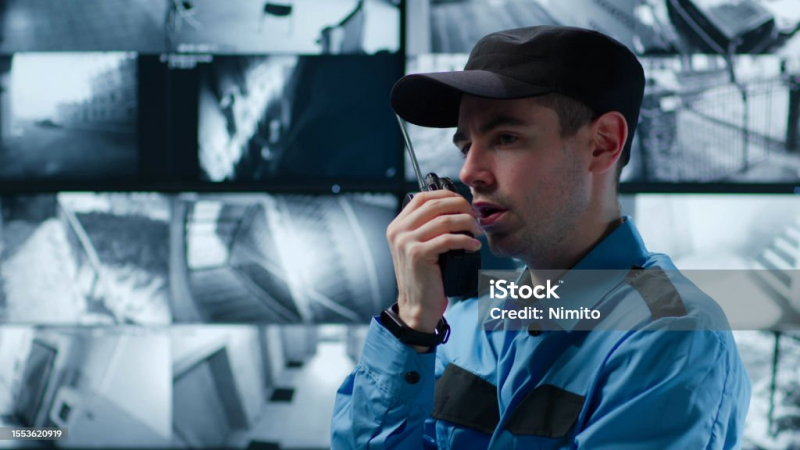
point(658, 292)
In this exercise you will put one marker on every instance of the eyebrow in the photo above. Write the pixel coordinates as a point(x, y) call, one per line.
point(496, 122)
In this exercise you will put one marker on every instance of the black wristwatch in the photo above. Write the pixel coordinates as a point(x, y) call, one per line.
point(391, 320)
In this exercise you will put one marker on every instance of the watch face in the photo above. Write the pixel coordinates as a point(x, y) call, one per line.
point(391, 322)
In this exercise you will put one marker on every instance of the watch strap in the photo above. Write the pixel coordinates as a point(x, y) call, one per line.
point(390, 318)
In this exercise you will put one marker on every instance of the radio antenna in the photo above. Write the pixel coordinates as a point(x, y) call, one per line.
point(411, 154)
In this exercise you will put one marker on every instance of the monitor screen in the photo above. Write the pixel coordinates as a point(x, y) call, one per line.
point(306, 27)
point(258, 258)
point(85, 26)
point(298, 120)
point(85, 258)
point(69, 117)
point(647, 27)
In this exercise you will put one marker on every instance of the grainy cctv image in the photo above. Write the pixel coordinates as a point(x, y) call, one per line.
point(85, 25)
point(752, 238)
point(647, 27)
point(84, 258)
point(257, 258)
point(720, 231)
point(298, 118)
point(702, 121)
point(771, 360)
point(109, 388)
point(258, 387)
point(68, 116)
point(283, 26)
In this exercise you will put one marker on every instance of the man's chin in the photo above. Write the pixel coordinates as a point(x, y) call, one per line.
point(501, 245)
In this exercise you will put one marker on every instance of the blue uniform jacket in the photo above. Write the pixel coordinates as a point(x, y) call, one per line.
point(646, 387)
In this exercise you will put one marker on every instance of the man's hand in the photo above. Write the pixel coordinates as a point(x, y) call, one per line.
point(417, 236)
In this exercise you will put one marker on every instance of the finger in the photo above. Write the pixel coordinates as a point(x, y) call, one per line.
point(420, 198)
point(450, 223)
point(438, 207)
point(430, 250)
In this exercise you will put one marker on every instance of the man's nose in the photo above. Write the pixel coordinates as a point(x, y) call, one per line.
point(477, 168)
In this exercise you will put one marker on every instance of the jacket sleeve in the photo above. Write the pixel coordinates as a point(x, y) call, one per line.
point(385, 402)
point(669, 390)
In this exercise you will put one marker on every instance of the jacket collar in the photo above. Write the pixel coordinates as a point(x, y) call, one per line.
point(596, 274)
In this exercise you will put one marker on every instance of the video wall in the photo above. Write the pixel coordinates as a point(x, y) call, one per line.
point(215, 178)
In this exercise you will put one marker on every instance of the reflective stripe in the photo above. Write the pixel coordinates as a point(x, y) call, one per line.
point(658, 292)
point(465, 399)
point(546, 411)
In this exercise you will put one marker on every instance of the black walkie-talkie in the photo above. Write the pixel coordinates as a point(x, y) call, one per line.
point(460, 268)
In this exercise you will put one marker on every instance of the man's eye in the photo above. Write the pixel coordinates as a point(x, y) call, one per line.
point(505, 139)
point(464, 149)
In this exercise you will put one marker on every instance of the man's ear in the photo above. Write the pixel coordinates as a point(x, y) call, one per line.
point(610, 134)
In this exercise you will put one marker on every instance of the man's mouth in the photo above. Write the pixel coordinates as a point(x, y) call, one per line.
point(488, 213)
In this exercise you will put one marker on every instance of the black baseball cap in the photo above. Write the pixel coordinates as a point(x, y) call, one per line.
point(526, 62)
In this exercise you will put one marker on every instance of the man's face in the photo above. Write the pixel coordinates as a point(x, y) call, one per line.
point(529, 184)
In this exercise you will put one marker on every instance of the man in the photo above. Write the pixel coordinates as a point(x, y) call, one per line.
point(545, 120)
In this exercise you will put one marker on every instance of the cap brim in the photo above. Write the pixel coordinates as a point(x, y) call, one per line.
point(433, 99)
